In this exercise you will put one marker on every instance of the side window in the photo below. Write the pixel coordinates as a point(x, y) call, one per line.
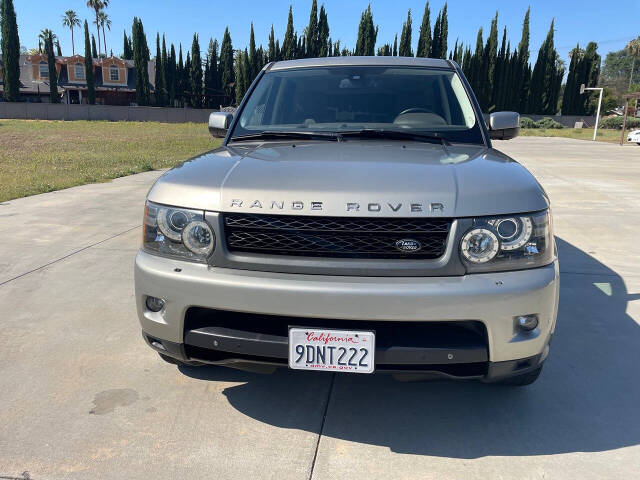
point(44, 70)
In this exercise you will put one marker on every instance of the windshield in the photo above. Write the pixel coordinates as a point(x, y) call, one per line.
point(346, 99)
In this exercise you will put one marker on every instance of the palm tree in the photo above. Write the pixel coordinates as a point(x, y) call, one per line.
point(70, 19)
point(44, 36)
point(633, 49)
point(97, 6)
point(105, 21)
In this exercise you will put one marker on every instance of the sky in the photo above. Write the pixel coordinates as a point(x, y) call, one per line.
point(610, 25)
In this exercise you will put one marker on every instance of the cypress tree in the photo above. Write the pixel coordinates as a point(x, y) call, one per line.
point(165, 72)
point(475, 67)
point(211, 79)
point(186, 79)
point(569, 97)
point(254, 61)
point(179, 77)
point(405, 38)
point(127, 52)
point(273, 55)
point(58, 49)
point(312, 31)
point(94, 51)
point(367, 34)
point(546, 78)
point(141, 62)
point(289, 43)
point(444, 31)
point(241, 77)
point(522, 75)
point(278, 51)
point(323, 34)
point(53, 73)
point(590, 73)
point(247, 69)
point(424, 39)
point(490, 55)
point(227, 74)
point(437, 37)
point(171, 76)
point(395, 46)
point(10, 51)
point(499, 86)
point(196, 73)
point(88, 67)
point(385, 50)
point(159, 86)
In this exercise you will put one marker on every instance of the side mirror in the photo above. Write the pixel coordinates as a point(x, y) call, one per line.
point(504, 125)
point(219, 123)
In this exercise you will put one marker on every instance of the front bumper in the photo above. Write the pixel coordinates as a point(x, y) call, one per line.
point(492, 299)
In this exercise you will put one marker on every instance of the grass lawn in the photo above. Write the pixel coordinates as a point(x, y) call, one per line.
point(612, 136)
point(39, 156)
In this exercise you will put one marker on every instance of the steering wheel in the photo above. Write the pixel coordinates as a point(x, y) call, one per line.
point(414, 110)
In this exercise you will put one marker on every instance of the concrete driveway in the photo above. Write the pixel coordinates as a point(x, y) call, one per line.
point(81, 396)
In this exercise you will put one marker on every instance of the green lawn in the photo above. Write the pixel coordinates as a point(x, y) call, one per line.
point(612, 136)
point(39, 156)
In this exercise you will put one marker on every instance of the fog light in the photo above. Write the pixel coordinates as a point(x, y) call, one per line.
point(154, 304)
point(527, 322)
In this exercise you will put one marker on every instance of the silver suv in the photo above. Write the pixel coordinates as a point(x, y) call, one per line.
point(355, 219)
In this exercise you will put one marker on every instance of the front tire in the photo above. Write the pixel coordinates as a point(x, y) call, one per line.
point(522, 380)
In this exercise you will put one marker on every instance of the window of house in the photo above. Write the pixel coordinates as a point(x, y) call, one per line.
point(78, 71)
point(44, 70)
point(114, 73)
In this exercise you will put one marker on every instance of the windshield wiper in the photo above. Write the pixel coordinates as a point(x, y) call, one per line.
point(331, 136)
point(394, 135)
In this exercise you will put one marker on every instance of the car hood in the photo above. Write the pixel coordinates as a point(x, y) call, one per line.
point(360, 178)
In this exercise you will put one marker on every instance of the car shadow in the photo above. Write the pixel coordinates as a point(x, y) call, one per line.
point(585, 401)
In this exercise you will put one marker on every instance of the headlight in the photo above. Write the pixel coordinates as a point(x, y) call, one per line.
point(177, 233)
point(510, 242)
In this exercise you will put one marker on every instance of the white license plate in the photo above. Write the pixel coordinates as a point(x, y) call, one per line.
point(333, 350)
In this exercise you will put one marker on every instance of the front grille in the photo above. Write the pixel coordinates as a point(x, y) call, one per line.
point(335, 236)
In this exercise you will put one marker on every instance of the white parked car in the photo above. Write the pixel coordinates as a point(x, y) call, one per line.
point(634, 136)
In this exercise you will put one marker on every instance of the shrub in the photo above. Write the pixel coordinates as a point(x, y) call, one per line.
point(615, 122)
point(548, 122)
point(526, 122)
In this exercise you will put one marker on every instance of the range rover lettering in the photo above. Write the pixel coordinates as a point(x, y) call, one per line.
point(356, 218)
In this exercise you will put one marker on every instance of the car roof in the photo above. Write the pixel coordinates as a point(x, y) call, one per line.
point(361, 61)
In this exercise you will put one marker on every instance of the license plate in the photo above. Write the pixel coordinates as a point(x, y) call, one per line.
point(333, 350)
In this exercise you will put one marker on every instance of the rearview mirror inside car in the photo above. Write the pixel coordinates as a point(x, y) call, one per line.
point(219, 123)
point(504, 125)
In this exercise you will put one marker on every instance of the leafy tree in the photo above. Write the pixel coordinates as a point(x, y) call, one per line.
point(405, 38)
point(367, 34)
point(141, 62)
point(227, 74)
point(196, 73)
point(424, 38)
point(88, 67)
point(70, 20)
point(633, 49)
point(616, 71)
point(53, 73)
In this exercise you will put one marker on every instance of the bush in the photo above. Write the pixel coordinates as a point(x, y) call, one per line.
point(548, 123)
point(615, 122)
point(526, 122)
